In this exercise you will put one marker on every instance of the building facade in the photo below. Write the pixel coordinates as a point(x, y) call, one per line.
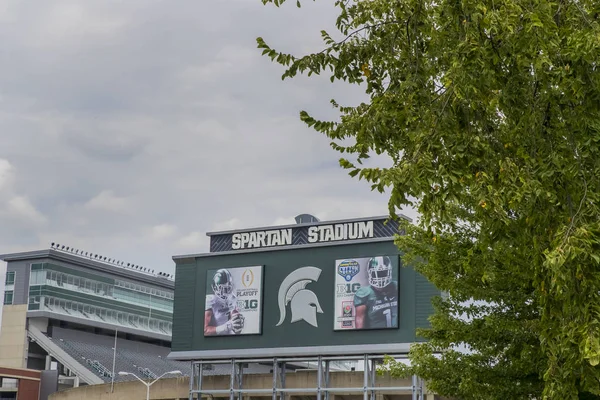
point(64, 309)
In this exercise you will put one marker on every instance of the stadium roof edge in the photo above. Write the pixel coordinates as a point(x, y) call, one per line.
point(85, 262)
point(281, 248)
point(329, 222)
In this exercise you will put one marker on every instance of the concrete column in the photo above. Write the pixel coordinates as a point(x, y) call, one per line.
point(76, 381)
point(48, 361)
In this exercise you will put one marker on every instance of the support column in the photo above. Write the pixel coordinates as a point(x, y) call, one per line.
point(200, 372)
point(319, 377)
point(328, 396)
point(282, 372)
point(232, 380)
point(275, 366)
point(240, 379)
point(48, 362)
point(372, 377)
point(365, 377)
point(192, 377)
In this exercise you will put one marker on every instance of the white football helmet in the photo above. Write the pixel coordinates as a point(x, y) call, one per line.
point(380, 271)
point(222, 284)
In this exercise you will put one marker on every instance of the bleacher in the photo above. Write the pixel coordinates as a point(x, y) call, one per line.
point(148, 361)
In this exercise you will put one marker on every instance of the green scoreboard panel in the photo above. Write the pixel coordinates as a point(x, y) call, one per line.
point(274, 293)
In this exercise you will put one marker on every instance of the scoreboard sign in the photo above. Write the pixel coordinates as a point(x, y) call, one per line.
point(303, 234)
point(366, 293)
point(341, 297)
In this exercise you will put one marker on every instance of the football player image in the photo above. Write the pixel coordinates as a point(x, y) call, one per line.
point(376, 305)
point(221, 316)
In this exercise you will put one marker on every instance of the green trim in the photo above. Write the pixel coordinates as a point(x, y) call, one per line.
point(10, 281)
point(115, 305)
point(81, 274)
point(9, 294)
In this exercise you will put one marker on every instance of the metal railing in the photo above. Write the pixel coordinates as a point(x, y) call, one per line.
point(101, 369)
point(322, 389)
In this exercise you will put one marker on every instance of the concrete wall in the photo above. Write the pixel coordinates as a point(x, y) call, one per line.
point(178, 388)
point(13, 337)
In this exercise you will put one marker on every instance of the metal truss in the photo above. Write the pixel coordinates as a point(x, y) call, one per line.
point(278, 391)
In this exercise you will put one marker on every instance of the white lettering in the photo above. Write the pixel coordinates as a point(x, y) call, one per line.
point(313, 234)
point(286, 236)
point(261, 239)
point(245, 239)
point(366, 229)
point(329, 233)
point(236, 241)
point(320, 233)
point(275, 238)
point(352, 231)
point(340, 231)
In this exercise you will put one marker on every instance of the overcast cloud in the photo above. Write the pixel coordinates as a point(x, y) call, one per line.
point(131, 128)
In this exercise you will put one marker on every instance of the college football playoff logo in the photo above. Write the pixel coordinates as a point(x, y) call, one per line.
point(247, 278)
point(304, 303)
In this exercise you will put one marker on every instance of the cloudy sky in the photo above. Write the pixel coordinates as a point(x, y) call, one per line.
point(131, 128)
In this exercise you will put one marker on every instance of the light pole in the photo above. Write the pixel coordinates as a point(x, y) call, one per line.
point(122, 373)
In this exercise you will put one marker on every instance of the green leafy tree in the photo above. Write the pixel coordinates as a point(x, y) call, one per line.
point(490, 113)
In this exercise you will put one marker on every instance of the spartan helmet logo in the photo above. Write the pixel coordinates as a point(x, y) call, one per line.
point(304, 303)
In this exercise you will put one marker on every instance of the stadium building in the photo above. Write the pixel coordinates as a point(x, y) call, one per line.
point(65, 309)
point(301, 312)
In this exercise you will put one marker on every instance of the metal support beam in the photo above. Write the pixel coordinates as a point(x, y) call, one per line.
point(319, 377)
point(240, 380)
point(282, 370)
point(200, 375)
point(366, 377)
point(232, 380)
point(275, 365)
point(372, 380)
point(307, 390)
point(192, 377)
point(327, 379)
point(279, 389)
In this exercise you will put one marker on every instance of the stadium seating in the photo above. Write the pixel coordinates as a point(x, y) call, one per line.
point(147, 361)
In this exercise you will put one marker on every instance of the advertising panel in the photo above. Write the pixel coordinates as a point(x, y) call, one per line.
point(233, 303)
point(366, 293)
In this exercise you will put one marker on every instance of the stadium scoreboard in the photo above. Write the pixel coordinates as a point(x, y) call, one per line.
point(319, 288)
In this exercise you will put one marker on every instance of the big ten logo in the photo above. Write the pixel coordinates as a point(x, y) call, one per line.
point(348, 288)
point(248, 278)
point(249, 305)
